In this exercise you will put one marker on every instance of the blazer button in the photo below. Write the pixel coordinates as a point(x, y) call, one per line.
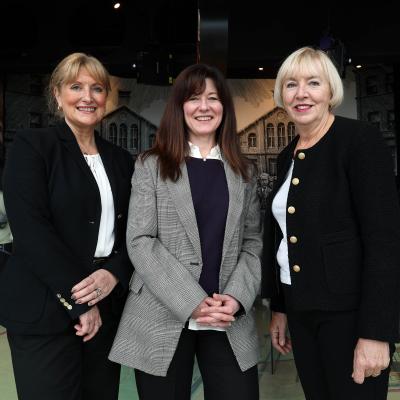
point(296, 268)
point(291, 210)
point(293, 239)
point(301, 156)
point(119, 216)
point(295, 181)
point(91, 222)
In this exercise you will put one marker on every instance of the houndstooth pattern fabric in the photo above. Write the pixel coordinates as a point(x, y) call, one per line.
point(164, 246)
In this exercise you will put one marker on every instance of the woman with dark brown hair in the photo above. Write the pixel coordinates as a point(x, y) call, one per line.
point(194, 240)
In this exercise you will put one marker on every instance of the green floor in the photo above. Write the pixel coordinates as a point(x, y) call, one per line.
point(281, 385)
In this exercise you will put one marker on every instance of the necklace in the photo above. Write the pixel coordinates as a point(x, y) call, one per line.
point(88, 150)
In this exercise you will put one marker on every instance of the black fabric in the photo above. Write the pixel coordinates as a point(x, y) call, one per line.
point(347, 222)
point(210, 196)
point(323, 346)
point(62, 367)
point(54, 208)
point(221, 374)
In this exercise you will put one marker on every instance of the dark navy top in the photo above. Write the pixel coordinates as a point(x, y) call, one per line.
point(210, 200)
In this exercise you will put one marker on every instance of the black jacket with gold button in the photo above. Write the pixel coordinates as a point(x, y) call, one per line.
point(343, 229)
point(54, 208)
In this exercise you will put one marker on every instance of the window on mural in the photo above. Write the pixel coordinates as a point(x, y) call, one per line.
point(252, 140)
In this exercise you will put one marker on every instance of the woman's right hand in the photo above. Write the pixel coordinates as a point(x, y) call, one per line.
point(89, 324)
point(277, 330)
point(203, 310)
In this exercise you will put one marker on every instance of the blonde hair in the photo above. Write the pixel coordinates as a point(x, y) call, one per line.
point(68, 69)
point(312, 61)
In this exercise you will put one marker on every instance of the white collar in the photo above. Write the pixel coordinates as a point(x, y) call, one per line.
point(214, 154)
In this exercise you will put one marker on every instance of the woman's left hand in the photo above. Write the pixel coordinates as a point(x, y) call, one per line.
point(94, 288)
point(220, 315)
point(370, 358)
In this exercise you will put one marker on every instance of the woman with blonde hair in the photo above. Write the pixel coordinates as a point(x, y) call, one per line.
point(331, 262)
point(61, 293)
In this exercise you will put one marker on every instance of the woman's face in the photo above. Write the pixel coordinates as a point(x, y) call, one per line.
point(306, 97)
point(83, 101)
point(203, 112)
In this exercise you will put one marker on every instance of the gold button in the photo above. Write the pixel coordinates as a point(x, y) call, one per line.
point(62, 300)
point(295, 181)
point(301, 156)
point(296, 268)
point(291, 210)
point(69, 307)
point(293, 239)
point(59, 295)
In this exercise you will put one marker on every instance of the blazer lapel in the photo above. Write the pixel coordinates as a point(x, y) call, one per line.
point(182, 197)
point(236, 196)
point(69, 141)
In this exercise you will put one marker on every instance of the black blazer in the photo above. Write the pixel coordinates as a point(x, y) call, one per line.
point(54, 207)
point(347, 223)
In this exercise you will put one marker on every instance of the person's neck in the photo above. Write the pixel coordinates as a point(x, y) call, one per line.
point(310, 135)
point(205, 144)
point(85, 139)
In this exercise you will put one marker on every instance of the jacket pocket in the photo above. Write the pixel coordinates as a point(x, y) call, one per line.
point(342, 259)
point(136, 283)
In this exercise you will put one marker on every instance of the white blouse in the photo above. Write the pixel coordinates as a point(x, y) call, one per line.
point(279, 212)
point(106, 237)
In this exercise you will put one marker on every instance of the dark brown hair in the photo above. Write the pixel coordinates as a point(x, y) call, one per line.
point(171, 143)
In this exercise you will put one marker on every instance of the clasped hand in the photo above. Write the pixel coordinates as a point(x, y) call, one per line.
point(216, 311)
point(94, 288)
point(89, 324)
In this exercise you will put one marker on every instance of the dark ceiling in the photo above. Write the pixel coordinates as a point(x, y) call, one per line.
point(37, 34)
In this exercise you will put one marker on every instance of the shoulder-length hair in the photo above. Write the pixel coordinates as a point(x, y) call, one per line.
point(314, 61)
point(171, 143)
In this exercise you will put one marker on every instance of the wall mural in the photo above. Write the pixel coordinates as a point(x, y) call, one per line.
point(134, 112)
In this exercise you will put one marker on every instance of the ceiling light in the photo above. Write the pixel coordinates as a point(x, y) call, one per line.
point(117, 5)
point(261, 68)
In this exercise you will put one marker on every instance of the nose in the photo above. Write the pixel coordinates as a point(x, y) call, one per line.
point(204, 104)
point(86, 94)
point(301, 91)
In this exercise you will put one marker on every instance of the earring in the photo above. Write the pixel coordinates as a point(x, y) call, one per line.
point(59, 107)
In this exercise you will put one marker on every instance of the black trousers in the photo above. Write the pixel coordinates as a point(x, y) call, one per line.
point(323, 347)
point(62, 367)
point(221, 374)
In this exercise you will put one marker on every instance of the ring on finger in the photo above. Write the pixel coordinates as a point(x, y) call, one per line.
point(98, 292)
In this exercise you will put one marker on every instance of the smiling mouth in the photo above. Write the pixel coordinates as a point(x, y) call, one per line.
point(203, 118)
point(303, 107)
point(87, 109)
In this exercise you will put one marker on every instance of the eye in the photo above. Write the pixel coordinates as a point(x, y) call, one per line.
point(290, 85)
point(213, 98)
point(75, 86)
point(314, 83)
point(98, 89)
point(193, 98)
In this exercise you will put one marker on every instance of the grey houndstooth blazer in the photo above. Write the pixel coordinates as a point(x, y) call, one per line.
point(164, 246)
